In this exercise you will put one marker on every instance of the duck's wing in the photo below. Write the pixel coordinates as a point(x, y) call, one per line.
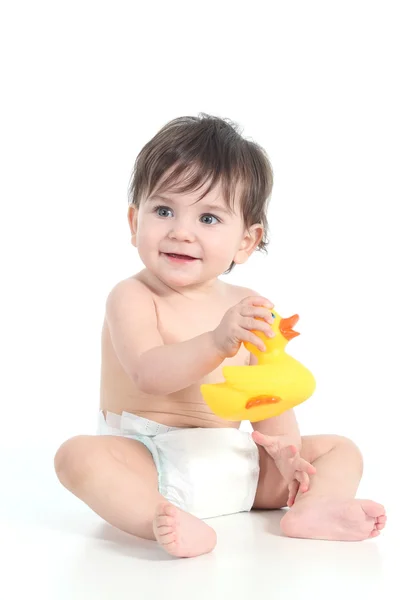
point(246, 377)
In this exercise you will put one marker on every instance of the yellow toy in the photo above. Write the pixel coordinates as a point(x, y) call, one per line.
point(277, 383)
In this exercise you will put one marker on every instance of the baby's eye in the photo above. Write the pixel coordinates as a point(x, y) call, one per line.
point(162, 211)
point(209, 217)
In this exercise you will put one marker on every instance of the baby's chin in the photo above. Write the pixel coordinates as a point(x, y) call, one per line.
point(188, 275)
point(187, 281)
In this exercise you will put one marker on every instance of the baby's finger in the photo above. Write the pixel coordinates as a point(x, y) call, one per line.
point(252, 338)
point(260, 438)
point(257, 312)
point(293, 490)
point(303, 480)
point(257, 301)
point(305, 466)
point(292, 450)
point(256, 325)
point(268, 443)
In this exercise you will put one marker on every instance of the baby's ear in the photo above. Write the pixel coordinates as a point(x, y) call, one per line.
point(132, 220)
point(249, 243)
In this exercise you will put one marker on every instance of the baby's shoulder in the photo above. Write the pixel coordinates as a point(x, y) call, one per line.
point(238, 292)
point(129, 287)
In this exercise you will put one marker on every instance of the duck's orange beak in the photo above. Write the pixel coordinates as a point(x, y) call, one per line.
point(285, 327)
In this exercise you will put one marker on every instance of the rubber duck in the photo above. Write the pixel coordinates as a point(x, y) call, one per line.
point(275, 384)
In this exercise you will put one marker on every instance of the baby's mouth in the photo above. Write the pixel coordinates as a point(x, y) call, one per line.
point(179, 256)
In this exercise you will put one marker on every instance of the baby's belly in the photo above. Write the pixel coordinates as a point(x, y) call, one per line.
point(185, 419)
point(171, 414)
point(184, 409)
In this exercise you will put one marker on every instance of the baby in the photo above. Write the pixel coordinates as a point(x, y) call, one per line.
point(163, 463)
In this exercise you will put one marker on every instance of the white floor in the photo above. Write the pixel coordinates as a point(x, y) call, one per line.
point(53, 547)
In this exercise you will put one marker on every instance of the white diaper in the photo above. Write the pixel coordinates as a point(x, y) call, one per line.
point(207, 472)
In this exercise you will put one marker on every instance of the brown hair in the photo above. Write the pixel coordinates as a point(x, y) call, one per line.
point(206, 149)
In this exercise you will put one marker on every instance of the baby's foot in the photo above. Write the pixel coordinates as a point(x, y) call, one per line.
point(182, 534)
point(334, 519)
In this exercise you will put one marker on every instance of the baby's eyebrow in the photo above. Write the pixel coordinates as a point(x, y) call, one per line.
point(210, 207)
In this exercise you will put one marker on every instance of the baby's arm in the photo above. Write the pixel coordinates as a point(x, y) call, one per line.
point(284, 425)
point(155, 368)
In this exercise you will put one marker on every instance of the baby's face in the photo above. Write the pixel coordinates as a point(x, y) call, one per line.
point(186, 242)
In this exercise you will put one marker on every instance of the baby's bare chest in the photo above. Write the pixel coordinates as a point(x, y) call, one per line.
point(176, 325)
point(180, 319)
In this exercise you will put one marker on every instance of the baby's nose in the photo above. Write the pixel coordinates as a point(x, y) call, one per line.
point(182, 233)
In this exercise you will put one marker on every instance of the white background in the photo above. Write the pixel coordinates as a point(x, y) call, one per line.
point(86, 84)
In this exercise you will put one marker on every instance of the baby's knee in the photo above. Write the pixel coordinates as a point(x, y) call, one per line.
point(341, 440)
point(72, 460)
point(314, 446)
point(351, 446)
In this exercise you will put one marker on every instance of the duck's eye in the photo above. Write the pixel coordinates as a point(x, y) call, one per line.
point(272, 315)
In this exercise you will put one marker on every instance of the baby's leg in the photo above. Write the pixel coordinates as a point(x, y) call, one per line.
point(117, 478)
point(328, 509)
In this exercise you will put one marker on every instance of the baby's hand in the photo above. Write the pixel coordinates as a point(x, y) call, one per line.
point(239, 321)
point(294, 469)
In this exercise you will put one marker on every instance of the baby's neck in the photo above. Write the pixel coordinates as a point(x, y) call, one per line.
point(203, 291)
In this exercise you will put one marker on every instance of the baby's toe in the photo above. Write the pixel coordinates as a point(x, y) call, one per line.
point(170, 510)
point(382, 519)
point(381, 522)
point(165, 509)
point(164, 531)
point(374, 533)
point(163, 520)
point(160, 509)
